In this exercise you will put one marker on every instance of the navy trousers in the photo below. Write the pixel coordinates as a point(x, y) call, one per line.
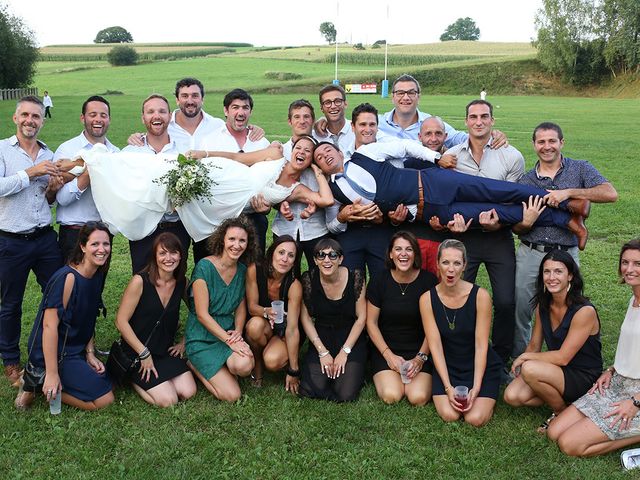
point(365, 244)
point(447, 193)
point(17, 258)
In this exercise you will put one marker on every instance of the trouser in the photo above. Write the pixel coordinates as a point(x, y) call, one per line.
point(17, 258)
point(447, 193)
point(496, 251)
point(141, 250)
point(527, 269)
point(261, 224)
point(47, 112)
point(365, 244)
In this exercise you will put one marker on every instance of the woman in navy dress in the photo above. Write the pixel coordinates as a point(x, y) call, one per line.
point(569, 325)
point(61, 341)
point(149, 313)
point(457, 318)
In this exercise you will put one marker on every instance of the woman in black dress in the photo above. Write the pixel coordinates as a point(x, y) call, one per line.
point(394, 324)
point(334, 297)
point(149, 313)
point(569, 325)
point(457, 318)
point(274, 279)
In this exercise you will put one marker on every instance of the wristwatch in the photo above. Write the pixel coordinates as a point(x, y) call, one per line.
point(437, 158)
point(346, 349)
point(636, 403)
point(422, 356)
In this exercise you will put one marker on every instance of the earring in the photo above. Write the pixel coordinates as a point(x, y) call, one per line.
point(569, 287)
point(544, 288)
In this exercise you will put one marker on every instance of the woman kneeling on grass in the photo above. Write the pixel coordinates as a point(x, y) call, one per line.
point(275, 346)
point(334, 296)
point(217, 310)
point(569, 325)
point(395, 326)
point(148, 319)
point(608, 416)
point(61, 342)
point(457, 318)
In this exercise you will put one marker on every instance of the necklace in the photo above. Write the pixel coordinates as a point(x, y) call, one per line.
point(403, 290)
point(452, 323)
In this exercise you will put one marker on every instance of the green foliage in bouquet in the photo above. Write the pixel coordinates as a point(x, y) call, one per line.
point(188, 181)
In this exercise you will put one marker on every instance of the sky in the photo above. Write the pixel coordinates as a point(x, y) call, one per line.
point(274, 23)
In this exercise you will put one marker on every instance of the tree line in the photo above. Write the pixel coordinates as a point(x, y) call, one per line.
point(587, 41)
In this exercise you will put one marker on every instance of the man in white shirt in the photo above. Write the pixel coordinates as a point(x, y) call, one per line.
point(234, 136)
point(333, 103)
point(48, 104)
point(156, 117)
point(75, 203)
point(288, 220)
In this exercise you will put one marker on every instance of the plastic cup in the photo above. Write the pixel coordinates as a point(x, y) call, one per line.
point(55, 404)
point(404, 369)
point(461, 395)
point(278, 310)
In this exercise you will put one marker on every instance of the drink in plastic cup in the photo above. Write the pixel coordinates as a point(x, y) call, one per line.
point(55, 404)
point(461, 395)
point(404, 369)
point(278, 310)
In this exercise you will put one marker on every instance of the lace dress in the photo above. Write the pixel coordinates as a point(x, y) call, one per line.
point(333, 320)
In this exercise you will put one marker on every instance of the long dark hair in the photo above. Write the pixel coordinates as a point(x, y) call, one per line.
point(575, 295)
point(171, 243)
point(267, 261)
point(215, 243)
point(630, 245)
point(85, 232)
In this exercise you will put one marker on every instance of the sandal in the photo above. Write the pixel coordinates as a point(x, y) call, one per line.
point(542, 429)
point(256, 381)
point(24, 399)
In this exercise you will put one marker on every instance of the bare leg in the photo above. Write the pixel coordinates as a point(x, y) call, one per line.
point(101, 402)
point(444, 408)
point(275, 354)
point(520, 394)
point(389, 386)
point(418, 392)
point(546, 381)
point(258, 332)
point(481, 412)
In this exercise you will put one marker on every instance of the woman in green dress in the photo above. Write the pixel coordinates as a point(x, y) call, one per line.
point(217, 310)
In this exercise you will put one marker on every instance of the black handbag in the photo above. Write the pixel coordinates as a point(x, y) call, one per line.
point(122, 362)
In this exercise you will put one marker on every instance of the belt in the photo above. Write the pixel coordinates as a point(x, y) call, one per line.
point(545, 248)
point(37, 233)
point(164, 225)
point(420, 209)
point(71, 227)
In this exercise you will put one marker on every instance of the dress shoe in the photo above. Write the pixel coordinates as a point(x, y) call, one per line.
point(579, 206)
point(577, 227)
point(13, 373)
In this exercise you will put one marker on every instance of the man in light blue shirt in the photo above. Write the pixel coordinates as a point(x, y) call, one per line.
point(75, 202)
point(29, 181)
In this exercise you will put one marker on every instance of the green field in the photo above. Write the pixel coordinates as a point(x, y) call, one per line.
point(269, 434)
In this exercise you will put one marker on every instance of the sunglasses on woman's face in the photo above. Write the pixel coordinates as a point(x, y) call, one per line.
point(332, 255)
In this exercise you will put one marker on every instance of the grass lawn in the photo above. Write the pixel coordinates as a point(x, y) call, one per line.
point(268, 433)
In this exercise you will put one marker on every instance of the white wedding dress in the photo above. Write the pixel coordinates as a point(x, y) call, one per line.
point(131, 203)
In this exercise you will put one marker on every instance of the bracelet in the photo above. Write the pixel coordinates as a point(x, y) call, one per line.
point(446, 389)
point(144, 354)
point(611, 370)
point(89, 351)
point(323, 354)
point(383, 352)
point(264, 313)
point(293, 373)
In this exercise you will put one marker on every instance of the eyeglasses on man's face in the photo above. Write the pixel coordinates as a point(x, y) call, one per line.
point(408, 93)
point(336, 101)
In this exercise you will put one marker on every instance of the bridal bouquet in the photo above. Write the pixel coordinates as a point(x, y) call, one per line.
point(188, 181)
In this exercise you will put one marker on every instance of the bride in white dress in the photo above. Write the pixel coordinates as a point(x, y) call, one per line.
point(130, 202)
